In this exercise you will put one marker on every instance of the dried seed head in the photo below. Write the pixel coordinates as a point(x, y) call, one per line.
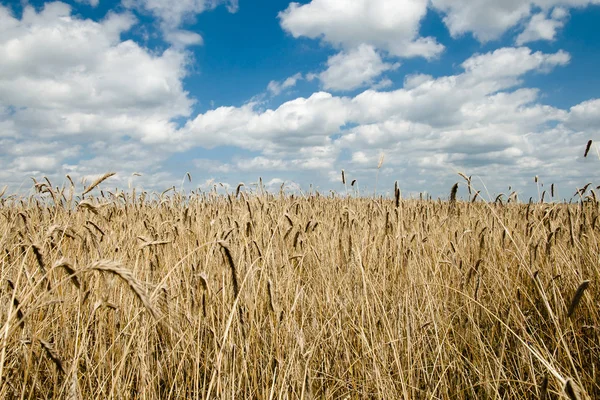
point(453, 193)
point(68, 267)
point(52, 354)
point(97, 182)
point(587, 148)
point(577, 297)
point(115, 268)
point(381, 158)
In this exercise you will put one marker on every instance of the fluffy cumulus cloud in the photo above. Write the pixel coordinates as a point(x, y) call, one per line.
point(77, 98)
point(294, 124)
point(489, 19)
point(540, 27)
point(93, 3)
point(275, 88)
point(64, 80)
point(355, 68)
point(173, 14)
point(392, 26)
point(477, 121)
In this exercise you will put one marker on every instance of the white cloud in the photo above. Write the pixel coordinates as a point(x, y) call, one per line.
point(181, 38)
point(301, 121)
point(512, 62)
point(475, 121)
point(261, 163)
point(389, 25)
point(437, 102)
point(585, 116)
point(64, 80)
point(349, 70)
point(489, 19)
point(93, 3)
point(275, 88)
point(382, 84)
point(542, 28)
point(173, 14)
point(76, 76)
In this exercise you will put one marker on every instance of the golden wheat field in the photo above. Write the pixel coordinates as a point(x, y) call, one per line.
point(125, 295)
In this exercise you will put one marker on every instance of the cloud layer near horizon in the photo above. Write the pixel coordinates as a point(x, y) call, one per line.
point(76, 98)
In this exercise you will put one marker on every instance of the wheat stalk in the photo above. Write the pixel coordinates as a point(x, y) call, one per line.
point(97, 182)
point(116, 268)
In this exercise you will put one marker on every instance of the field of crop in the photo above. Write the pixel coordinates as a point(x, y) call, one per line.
point(254, 295)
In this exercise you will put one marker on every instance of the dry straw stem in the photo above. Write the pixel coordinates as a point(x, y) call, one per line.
point(97, 182)
point(116, 268)
point(155, 243)
point(88, 222)
point(365, 306)
point(270, 293)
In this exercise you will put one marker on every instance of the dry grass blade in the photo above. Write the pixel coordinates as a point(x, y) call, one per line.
point(3, 190)
point(155, 243)
point(115, 268)
point(577, 297)
point(95, 226)
point(167, 191)
point(270, 293)
point(97, 182)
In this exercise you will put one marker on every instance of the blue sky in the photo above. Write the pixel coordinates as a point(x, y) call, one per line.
point(295, 92)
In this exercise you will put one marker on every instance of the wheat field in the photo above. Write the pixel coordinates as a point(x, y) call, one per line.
point(253, 295)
